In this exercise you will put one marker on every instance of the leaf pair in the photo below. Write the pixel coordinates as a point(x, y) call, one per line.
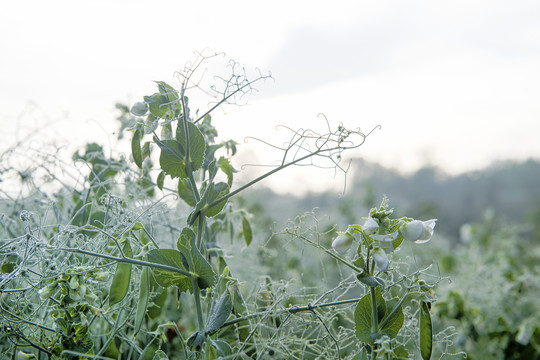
point(186, 258)
point(173, 152)
point(390, 319)
point(220, 314)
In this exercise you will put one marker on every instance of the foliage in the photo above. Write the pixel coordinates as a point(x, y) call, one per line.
point(496, 311)
point(104, 267)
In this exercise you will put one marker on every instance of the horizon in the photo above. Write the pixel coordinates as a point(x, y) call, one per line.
point(452, 85)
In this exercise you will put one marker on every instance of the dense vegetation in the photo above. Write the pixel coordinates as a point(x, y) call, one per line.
point(163, 256)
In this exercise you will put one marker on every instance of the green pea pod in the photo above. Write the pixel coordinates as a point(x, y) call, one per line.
point(121, 279)
point(136, 148)
point(426, 331)
point(144, 293)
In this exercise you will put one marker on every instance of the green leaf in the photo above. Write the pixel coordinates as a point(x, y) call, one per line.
point(196, 262)
point(363, 317)
point(393, 323)
point(246, 229)
point(160, 180)
point(168, 91)
point(159, 105)
point(185, 191)
point(144, 295)
point(146, 150)
point(121, 278)
point(166, 278)
point(166, 132)
point(225, 166)
point(171, 158)
point(369, 280)
point(139, 109)
point(221, 313)
point(359, 262)
point(158, 302)
point(401, 353)
point(426, 332)
point(197, 144)
point(160, 355)
point(209, 154)
point(136, 148)
point(224, 350)
point(216, 192)
point(196, 340)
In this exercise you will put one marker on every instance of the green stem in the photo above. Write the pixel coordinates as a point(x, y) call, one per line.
point(196, 293)
point(329, 252)
point(375, 318)
point(375, 314)
point(396, 307)
point(201, 227)
point(131, 261)
point(291, 310)
point(319, 150)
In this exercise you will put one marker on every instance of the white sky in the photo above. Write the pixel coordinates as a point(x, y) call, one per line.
point(454, 84)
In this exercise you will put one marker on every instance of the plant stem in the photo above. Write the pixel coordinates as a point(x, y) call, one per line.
point(196, 293)
point(131, 261)
point(375, 315)
point(291, 310)
point(271, 172)
point(375, 319)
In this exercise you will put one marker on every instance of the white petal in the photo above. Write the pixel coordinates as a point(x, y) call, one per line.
point(385, 238)
point(427, 231)
point(370, 226)
point(342, 243)
point(412, 230)
point(381, 260)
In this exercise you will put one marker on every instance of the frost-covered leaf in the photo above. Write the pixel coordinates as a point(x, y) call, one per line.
point(166, 278)
point(197, 144)
point(196, 262)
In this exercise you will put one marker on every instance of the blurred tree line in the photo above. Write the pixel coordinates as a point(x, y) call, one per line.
point(509, 190)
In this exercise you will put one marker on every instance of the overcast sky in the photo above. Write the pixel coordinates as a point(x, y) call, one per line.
point(454, 84)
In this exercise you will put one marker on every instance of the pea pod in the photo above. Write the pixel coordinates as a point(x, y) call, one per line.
point(121, 279)
point(144, 292)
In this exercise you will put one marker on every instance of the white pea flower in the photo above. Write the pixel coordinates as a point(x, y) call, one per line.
point(381, 260)
point(418, 231)
point(386, 237)
point(370, 226)
point(386, 241)
point(343, 242)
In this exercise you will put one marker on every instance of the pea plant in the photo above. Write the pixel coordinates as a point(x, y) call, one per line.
point(109, 280)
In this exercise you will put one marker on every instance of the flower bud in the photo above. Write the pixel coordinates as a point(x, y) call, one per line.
point(370, 226)
point(381, 260)
point(418, 231)
point(343, 242)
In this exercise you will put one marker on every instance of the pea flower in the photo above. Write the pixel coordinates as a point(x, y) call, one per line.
point(385, 240)
point(343, 242)
point(381, 260)
point(370, 226)
point(418, 231)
